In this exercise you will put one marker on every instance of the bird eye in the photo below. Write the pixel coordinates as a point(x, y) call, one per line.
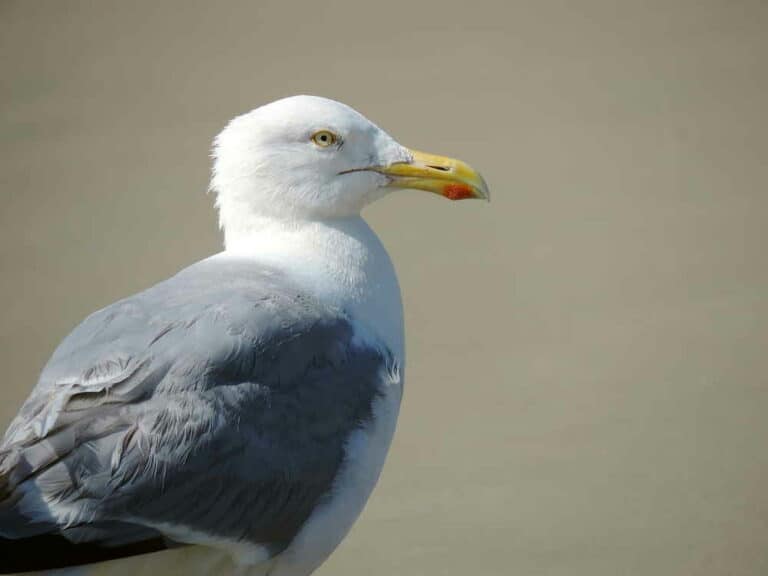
point(324, 138)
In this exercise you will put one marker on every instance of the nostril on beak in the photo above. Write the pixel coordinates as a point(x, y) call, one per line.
point(441, 168)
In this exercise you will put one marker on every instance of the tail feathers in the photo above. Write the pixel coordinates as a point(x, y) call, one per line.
point(51, 551)
point(31, 540)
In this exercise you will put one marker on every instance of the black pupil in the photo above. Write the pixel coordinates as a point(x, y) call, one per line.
point(324, 137)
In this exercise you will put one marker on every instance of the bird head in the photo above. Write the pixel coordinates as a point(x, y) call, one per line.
point(311, 158)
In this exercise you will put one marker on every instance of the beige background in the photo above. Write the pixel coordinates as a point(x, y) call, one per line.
point(587, 388)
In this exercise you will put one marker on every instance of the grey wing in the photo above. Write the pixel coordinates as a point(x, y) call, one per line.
point(216, 403)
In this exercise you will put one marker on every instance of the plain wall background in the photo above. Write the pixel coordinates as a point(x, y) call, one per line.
point(587, 382)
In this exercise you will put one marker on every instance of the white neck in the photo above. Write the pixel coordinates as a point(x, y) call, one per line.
point(341, 260)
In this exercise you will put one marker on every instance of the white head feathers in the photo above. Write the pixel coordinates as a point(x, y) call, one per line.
point(299, 158)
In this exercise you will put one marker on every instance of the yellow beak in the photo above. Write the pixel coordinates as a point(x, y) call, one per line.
point(448, 177)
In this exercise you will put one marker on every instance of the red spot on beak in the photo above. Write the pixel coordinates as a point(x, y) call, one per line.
point(458, 192)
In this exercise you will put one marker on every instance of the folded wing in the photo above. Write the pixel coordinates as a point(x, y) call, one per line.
point(213, 407)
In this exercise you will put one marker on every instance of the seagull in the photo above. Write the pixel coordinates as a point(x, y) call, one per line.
point(234, 418)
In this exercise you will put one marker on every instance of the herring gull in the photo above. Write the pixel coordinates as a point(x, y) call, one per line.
point(234, 418)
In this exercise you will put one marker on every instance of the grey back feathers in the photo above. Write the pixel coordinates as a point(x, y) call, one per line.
point(217, 402)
